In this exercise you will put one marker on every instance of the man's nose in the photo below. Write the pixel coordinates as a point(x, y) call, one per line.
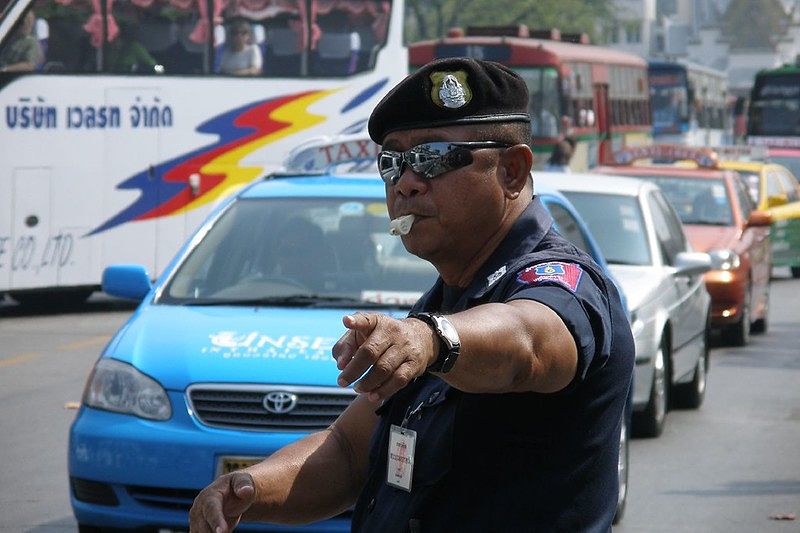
point(410, 183)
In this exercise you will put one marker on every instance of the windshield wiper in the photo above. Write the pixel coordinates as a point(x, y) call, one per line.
point(293, 300)
point(625, 263)
point(707, 222)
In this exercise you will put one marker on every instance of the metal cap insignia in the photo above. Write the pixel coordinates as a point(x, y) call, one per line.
point(450, 89)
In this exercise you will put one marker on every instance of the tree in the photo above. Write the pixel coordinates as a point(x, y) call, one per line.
point(754, 23)
point(430, 19)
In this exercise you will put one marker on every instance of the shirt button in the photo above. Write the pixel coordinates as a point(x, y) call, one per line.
point(371, 505)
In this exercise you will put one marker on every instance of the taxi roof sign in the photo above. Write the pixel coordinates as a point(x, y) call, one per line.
point(741, 152)
point(664, 153)
point(354, 153)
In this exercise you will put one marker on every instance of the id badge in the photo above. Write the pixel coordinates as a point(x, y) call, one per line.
point(400, 466)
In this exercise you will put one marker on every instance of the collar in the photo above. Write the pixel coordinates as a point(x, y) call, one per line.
point(525, 235)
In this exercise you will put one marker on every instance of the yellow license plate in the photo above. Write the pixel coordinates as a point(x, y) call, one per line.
point(226, 465)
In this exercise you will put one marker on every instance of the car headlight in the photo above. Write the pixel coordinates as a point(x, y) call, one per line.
point(119, 387)
point(724, 259)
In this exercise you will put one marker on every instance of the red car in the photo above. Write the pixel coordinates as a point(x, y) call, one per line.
point(720, 219)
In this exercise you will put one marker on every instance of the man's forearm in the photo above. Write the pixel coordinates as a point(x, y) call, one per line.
point(303, 482)
point(319, 476)
point(516, 347)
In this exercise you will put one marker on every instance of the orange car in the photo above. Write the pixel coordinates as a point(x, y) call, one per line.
point(719, 218)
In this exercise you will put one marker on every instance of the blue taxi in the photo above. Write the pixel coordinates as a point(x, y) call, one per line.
point(228, 356)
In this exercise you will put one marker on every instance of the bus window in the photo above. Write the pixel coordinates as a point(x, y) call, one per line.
point(775, 105)
point(347, 35)
point(544, 105)
point(50, 38)
point(136, 36)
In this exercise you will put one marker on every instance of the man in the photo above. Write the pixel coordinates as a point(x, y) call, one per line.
point(560, 157)
point(496, 405)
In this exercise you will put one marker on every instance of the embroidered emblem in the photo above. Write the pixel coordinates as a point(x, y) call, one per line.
point(450, 89)
point(495, 276)
point(566, 274)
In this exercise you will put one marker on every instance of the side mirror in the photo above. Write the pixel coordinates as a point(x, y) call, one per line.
point(692, 263)
point(126, 281)
point(777, 200)
point(759, 219)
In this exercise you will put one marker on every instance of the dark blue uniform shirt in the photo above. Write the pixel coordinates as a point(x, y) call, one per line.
point(516, 461)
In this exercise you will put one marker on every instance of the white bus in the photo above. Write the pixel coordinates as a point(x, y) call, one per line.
point(124, 121)
point(689, 103)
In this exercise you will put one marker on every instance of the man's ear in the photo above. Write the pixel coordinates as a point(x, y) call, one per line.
point(516, 162)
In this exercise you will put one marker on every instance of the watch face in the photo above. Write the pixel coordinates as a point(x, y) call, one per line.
point(448, 330)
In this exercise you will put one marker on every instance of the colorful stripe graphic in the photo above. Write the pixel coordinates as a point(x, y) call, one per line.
point(165, 189)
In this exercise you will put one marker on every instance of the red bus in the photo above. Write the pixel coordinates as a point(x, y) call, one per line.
point(598, 96)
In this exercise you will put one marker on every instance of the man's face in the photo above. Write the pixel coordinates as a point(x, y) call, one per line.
point(456, 212)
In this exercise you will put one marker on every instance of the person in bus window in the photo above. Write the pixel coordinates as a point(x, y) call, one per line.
point(126, 55)
point(560, 156)
point(543, 122)
point(23, 53)
point(241, 57)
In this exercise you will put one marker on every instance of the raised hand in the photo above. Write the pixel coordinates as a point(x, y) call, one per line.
point(385, 353)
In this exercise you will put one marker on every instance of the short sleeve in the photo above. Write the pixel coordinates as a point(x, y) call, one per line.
point(574, 296)
point(32, 52)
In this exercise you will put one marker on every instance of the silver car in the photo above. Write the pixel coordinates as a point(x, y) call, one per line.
point(647, 251)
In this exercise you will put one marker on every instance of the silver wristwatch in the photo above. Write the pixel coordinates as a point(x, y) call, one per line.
point(449, 343)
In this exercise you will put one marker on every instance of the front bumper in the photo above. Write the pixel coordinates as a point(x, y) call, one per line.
point(727, 288)
point(126, 472)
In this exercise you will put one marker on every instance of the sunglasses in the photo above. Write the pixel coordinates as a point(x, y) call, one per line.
point(430, 159)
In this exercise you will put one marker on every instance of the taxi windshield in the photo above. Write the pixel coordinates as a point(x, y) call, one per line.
point(300, 252)
point(697, 201)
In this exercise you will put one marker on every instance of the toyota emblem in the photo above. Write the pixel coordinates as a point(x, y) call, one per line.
point(280, 402)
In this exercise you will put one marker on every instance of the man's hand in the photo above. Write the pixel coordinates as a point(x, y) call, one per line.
point(392, 352)
point(219, 507)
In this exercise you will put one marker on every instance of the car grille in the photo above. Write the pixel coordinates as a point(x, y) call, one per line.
point(243, 406)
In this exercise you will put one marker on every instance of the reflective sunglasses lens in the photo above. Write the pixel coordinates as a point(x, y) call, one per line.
point(434, 159)
point(389, 164)
point(424, 160)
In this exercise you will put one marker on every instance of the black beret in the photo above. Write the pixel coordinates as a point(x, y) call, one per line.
point(446, 92)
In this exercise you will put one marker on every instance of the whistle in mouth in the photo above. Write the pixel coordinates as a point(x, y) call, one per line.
point(401, 225)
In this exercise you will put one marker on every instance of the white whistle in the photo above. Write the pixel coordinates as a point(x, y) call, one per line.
point(401, 225)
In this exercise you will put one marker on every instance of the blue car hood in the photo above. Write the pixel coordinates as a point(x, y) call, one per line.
point(178, 345)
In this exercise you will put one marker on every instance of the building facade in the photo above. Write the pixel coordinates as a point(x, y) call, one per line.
point(738, 37)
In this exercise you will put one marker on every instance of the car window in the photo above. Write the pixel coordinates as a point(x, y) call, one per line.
point(789, 186)
point(272, 248)
point(774, 187)
point(697, 200)
point(753, 182)
point(567, 225)
point(669, 230)
point(791, 163)
point(616, 224)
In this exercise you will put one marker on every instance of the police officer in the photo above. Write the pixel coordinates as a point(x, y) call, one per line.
point(496, 405)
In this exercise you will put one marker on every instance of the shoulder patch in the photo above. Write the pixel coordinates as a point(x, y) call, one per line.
point(566, 274)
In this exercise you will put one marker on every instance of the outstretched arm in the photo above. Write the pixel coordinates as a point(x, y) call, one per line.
point(314, 478)
point(518, 346)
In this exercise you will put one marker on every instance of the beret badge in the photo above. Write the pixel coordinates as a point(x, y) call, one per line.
point(450, 89)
